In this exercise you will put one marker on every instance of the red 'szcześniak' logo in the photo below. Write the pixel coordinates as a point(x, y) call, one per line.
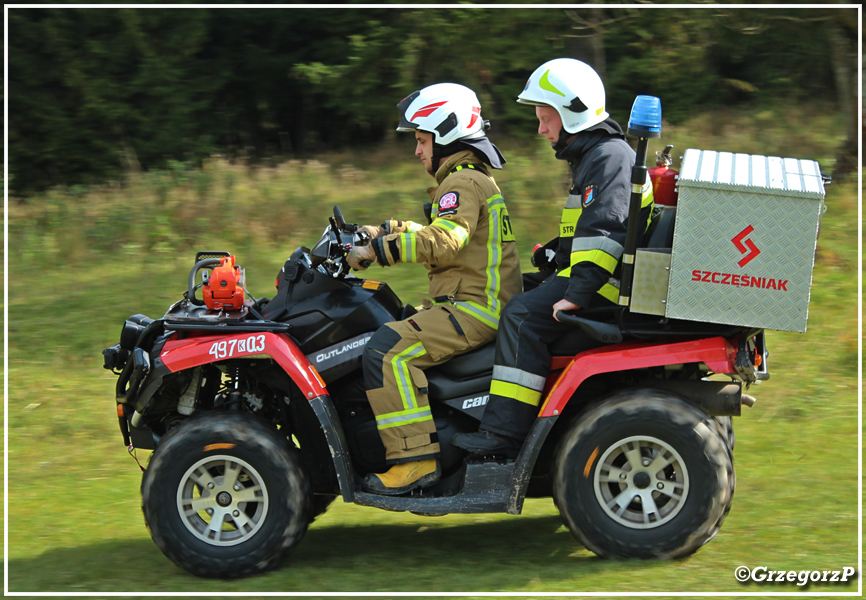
point(747, 247)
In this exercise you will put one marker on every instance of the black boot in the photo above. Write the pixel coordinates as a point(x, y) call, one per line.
point(487, 442)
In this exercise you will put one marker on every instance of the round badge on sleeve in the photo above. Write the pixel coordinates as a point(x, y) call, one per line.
point(449, 203)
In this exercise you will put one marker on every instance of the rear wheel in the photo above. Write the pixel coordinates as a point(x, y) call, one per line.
point(643, 475)
point(225, 496)
point(725, 429)
point(725, 426)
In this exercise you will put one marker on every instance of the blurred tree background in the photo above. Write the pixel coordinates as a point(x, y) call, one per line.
point(95, 92)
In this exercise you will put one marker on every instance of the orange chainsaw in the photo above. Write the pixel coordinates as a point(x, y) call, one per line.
point(223, 289)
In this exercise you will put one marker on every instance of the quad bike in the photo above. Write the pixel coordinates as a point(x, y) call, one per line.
point(256, 413)
point(258, 419)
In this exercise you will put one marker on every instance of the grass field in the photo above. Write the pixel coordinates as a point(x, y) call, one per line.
point(81, 261)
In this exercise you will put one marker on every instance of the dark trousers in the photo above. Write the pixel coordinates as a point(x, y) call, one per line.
point(522, 361)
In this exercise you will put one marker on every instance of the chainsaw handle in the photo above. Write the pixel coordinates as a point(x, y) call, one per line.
point(202, 264)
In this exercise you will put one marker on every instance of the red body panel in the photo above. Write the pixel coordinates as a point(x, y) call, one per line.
point(717, 353)
point(200, 350)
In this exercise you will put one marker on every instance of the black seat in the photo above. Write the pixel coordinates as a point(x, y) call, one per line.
point(462, 375)
point(467, 366)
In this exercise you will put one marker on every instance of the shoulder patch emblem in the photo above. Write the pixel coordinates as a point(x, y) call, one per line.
point(588, 195)
point(449, 202)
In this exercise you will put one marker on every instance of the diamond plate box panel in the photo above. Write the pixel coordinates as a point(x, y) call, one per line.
point(744, 241)
point(649, 290)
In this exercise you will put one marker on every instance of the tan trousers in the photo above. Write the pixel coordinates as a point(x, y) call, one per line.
point(394, 362)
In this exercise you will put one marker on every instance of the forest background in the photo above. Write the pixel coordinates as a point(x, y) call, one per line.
point(137, 136)
point(96, 93)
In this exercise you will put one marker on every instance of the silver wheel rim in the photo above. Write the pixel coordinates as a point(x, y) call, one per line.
point(222, 500)
point(641, 482)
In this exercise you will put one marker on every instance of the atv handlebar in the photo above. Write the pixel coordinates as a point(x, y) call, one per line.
point(329, 254)
point(341, 222)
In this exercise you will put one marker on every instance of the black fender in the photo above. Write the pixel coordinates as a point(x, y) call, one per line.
point(332, 429)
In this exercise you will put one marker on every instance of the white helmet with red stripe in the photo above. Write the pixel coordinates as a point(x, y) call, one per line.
point(449, 111)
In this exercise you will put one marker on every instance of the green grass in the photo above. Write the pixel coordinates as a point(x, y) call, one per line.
point(81, 261)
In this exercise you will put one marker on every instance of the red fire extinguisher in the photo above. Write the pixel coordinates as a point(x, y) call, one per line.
point(664, 179)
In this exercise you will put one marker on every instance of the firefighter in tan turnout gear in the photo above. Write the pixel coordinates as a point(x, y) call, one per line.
point(469, 250)
point(582, 264)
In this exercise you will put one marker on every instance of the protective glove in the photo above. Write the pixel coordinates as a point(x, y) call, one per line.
point(543, 256)
point(374, 231)
point(361, 257)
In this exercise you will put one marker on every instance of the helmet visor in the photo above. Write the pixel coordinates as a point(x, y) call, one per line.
point(405, 124)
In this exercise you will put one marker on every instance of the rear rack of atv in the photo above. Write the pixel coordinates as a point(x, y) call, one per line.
point(613, 325)
point(186, 316)
point(251, 326)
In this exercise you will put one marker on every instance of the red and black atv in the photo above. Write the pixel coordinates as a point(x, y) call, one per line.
point(258, 419)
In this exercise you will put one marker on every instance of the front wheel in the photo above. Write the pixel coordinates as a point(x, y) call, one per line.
point(225, 496)
point(643, 475)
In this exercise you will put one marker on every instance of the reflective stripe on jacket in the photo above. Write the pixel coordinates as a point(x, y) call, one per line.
point(592, 228)
point(468, 248)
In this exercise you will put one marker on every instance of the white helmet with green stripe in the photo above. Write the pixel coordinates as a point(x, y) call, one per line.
point(570, 87)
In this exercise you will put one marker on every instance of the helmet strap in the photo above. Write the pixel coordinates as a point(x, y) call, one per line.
point(440, 152)
point(562, 142)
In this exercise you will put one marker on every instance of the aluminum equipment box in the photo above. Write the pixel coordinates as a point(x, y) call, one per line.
point(744, 241)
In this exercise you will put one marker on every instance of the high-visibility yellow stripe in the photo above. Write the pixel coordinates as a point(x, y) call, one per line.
point(610, 292)
point(456, 229)
point(407, 248)
point(403, 413)
point(568, 221)
point(515, 392)
point(483, 314)
point(404, 417)
point(496, 212)
point(402, 375)
point(407, 422)
point(596, 257)
point(647, 200)
point(519, 376)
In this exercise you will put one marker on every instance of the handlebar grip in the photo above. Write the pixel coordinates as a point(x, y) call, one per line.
point(338, 215)
point(366, 263)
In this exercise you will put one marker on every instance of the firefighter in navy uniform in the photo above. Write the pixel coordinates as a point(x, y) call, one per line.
point(468, 248)
point(569, 101)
